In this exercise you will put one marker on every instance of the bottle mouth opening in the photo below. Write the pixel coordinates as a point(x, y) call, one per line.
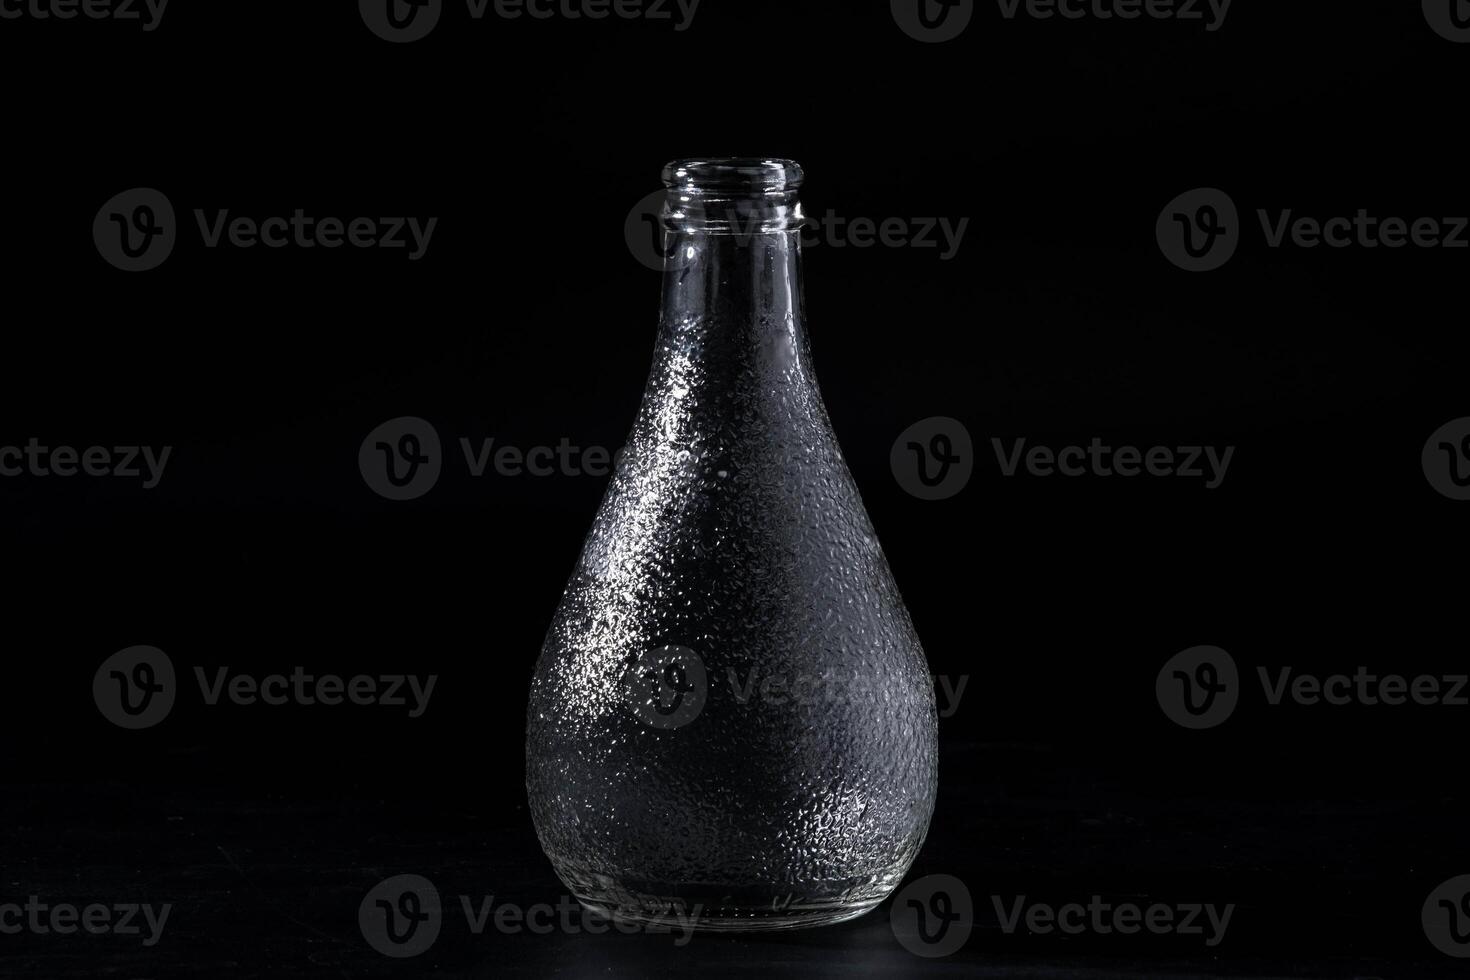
point(733, 176)
point(733, 195)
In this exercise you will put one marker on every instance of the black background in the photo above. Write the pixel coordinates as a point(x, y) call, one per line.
point(529, 321)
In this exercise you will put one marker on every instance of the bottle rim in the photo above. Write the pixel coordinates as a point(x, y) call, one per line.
point(733, 176)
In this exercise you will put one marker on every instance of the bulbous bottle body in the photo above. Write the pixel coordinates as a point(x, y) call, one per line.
point(732, 724)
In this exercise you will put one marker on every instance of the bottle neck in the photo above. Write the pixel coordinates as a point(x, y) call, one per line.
point(732, 367)
point(735, 280)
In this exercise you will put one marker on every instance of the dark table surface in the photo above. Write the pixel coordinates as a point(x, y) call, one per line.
point(269, 884)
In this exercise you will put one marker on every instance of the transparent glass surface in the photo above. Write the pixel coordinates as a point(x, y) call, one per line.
point(732, 721)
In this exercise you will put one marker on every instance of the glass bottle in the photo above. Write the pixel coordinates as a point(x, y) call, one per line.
point(732, 721)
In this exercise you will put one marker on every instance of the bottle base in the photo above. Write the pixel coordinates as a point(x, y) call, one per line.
point(721, 908)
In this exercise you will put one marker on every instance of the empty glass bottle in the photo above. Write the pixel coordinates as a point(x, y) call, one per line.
point(732, 721)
